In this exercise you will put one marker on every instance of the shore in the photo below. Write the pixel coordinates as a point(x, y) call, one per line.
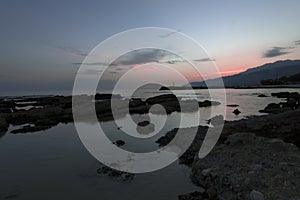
point(255, 158)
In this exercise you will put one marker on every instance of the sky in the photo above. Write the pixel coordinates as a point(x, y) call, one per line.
point(44, 42)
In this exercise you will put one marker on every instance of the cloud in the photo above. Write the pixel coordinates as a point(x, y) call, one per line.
point(72, 51)
point(276, 51)
point(297, 42)
point(205, 60)
point(196, 60)
point(142, 56)
point(94, 64)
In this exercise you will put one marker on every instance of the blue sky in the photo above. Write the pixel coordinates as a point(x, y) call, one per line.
point(41, 40)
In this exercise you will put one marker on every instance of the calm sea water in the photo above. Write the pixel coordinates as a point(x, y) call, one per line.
point(53, 164)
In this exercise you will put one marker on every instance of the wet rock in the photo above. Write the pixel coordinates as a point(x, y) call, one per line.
point(30, 129)
point(138, 106)
point(124, 176)
point(162, 99)
point(262, 95)
point(145, 127)
point(236, 112)
point(256, 195)
point(143, 123)
point(216, 120)
point(233, 105)
point(286, 95)
point(164, 140)
point(208, 103)
point(274, 108)
point(3, 125)
point(119, 143)
point(192, 196)
point(190, 154)
point(107, 96)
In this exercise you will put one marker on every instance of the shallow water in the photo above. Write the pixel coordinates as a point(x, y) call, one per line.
point(54, 163)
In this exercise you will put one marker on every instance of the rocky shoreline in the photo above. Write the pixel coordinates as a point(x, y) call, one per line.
point(256, 158)
point(41, 113)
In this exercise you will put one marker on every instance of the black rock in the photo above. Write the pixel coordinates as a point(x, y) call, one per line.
point(208, 103)
point(3, 124)
point(286, 95)
point(262, 95)
point(119, 143)
point(143, 123)
point(236, 112)
point(233, 105)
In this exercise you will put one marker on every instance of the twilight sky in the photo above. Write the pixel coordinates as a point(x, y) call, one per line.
point(42, 42)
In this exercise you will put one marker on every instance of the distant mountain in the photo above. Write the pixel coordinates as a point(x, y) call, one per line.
point(253, 76)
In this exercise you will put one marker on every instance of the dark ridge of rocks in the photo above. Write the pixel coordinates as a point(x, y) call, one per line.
point(107, 96)
point(162, 99)
point(292, 102)
point(286, 95)
point(248, 166)
point(233, 105)
point(48, 111)
point(285, 126)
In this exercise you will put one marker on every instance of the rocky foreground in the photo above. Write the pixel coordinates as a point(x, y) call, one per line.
point(257, 158)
